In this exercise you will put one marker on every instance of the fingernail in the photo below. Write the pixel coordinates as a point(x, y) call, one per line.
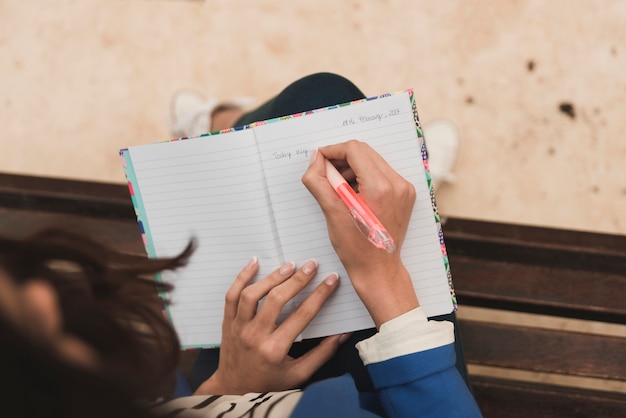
point(287, 268)
point(313, 156)
point(332, 279)
point(344, 337)
point(253, 261)
point(309, 267)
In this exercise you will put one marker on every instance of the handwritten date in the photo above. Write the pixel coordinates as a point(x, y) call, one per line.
point(369, 118)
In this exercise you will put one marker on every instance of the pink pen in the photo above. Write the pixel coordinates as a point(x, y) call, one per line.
point(363, 216)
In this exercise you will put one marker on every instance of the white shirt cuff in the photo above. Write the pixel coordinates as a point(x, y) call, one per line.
point(408, 333)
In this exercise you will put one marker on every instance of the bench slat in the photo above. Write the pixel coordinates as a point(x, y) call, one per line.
point(499, 398)
point(97, 200)
point(123, 234)
point(534, 237)
point(539, 289)
point(542, 350)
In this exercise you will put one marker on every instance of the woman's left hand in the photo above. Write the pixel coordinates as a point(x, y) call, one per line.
point(254, 351)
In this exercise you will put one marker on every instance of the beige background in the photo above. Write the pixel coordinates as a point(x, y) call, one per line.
point(82, 78)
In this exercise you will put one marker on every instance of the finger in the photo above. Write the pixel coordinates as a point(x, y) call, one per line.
point(346, 171)
point(241, 281)
point(360, 164)
point(278, 297)
point(373, 175)
point(298, 320)
point(251, 295)
point(338, 218)
point(348, 174)
point(315, 180)
point(359, 156)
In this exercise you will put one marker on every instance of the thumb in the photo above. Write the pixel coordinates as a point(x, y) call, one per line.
point(310, 362)
point(314, 179)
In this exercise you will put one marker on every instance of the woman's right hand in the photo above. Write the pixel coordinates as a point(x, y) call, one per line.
point(380, 278)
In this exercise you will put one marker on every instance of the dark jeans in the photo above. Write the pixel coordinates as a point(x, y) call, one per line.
point(314, 92)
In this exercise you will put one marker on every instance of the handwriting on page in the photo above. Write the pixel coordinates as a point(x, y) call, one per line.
point(372, 117)
point(304, 153)
point(298, 153)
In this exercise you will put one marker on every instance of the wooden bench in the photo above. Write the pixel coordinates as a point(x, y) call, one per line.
point(543, 328)
point(541, 312)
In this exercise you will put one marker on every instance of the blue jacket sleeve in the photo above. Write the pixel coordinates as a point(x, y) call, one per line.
point(424, 384)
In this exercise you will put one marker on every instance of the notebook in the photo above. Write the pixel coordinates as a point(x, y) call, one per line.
point(239, 194)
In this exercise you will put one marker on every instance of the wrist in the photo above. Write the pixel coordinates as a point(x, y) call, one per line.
point(386, 293)
point(211, 386)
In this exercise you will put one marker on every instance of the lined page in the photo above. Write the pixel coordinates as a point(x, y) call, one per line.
point(388, 125)
point(210, 188)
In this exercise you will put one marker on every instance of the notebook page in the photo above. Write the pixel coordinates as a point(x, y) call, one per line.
point(388, 125)
point(209, 188)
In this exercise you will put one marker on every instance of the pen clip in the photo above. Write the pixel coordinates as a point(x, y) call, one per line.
point(377, 235)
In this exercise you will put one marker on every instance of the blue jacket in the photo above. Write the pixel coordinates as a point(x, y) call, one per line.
point(422, 384)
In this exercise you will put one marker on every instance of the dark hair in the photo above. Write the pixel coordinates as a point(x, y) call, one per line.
point(37, 383)
point(109, 300)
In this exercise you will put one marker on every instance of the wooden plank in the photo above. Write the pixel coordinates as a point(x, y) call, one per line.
point(16, 183)
point(93, 199)
point(121, 234)
point(499, 398)
point(534, 236)
point(539, 289)
point(541, 350)
point(529, 253)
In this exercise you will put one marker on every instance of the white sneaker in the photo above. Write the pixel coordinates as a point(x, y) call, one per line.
point(442, 142)
point(190, 112)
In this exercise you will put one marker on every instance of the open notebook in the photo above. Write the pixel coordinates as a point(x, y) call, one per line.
point(238, 192)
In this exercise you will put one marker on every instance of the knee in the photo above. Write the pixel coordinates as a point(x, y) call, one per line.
point(328, 88)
